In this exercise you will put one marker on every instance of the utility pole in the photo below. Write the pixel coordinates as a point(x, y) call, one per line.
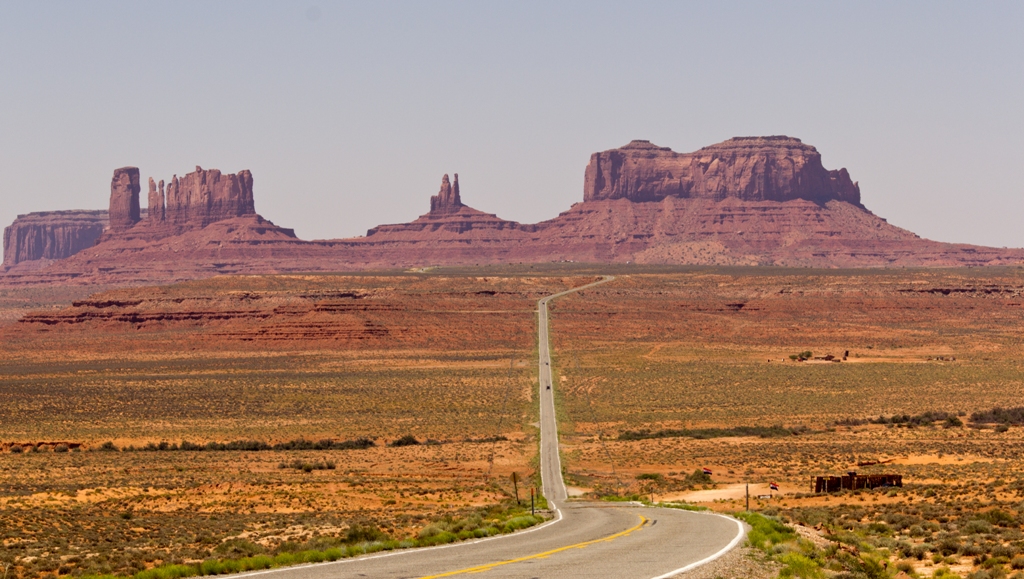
point(515, 485)
point(532, 512)
point(748, 497)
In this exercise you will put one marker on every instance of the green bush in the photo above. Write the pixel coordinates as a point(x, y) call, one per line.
point(522, 522)
point(765, 532)
point(801, 566)
point(257, 562)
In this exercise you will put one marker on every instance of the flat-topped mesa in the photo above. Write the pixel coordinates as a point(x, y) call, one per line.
point(447, 200)
point(124, 199)
point(50, 235)
point(776, 168)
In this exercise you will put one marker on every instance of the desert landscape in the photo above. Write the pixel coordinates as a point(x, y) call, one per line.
point(251, 416)
point(274, 412)
point(557, 290)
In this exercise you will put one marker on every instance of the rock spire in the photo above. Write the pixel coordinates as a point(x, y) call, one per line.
point(447, 199)
point(124, 199)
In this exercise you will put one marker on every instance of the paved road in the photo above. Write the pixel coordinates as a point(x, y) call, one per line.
point(585, 540)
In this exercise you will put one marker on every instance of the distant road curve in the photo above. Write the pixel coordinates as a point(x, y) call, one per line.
point(584, 540)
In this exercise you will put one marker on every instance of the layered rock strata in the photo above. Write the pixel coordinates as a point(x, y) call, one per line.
point(447, 199)
point(748, 168)
point(747, 201)
point(206, 196)
point(448, 214)
point(124, 199)
point(51, 235)
point(193, 201)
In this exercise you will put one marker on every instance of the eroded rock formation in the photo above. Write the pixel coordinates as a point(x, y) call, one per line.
point(748, 168)
point(191, 202)
point(447, 199)
point(448, 214)
point(206, 196)
point(124, 199)
point(747, 201)
point(49, 235)
point(156, 202)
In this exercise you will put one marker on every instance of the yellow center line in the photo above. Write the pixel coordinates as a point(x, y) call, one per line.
point(489, 566)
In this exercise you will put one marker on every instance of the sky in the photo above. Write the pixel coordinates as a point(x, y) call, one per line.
point(349, 113)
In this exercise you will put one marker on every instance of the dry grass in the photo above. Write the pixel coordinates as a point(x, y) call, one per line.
point(711, 349)
point(270, 359)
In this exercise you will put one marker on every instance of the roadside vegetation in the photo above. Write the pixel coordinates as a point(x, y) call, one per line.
point(234, 555)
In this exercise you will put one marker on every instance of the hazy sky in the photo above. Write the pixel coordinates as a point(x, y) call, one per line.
point(349, 113)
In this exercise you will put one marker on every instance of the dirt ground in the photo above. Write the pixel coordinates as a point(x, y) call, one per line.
point(659, 372)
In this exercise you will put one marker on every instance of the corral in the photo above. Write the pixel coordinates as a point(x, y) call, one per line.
point(853, 481)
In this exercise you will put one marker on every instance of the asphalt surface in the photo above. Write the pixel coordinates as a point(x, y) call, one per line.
point(586, 540)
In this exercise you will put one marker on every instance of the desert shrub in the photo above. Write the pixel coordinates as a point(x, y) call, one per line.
point(998, 415)
point(108, 446)
point(17, 449)
point(238, 548)
point(650, 476)
point(799, 565)
point(430, 531)
point(61, 448)
point(364, 533)
point(211, 567)
point(439, 539)
point(948, 546)
point(906, 567)
point(972, 550)
point(516, 523)
point(999, 518)
point(766, 532)
point(407, 440)
point(978, 527)
point(308, 466)
point(920, 550)
point(709, 433)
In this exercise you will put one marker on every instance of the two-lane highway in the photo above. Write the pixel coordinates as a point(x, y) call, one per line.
point(584, 540)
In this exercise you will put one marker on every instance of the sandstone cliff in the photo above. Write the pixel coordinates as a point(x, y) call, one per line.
point(747, 168)
point(447, 199)
point(747, 201)
point(50, 235)
point(191, 202)
point(203, 197)
point(124, 199)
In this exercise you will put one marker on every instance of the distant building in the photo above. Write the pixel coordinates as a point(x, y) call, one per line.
point(853, 481)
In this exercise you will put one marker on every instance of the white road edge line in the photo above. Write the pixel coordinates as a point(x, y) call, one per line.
point(396, 552)
point(558, 511)
point(739, 536)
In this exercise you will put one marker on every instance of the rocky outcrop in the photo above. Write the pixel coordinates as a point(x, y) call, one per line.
point(206, 196)
point(747, 201)
point(748, 168)
point(50, 235)
point(124, 199)
point(448, 214)
point(156, 202)
point(447, 199)
point(191, 202)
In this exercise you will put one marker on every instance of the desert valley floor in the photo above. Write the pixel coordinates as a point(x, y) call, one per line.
point(246, 414)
